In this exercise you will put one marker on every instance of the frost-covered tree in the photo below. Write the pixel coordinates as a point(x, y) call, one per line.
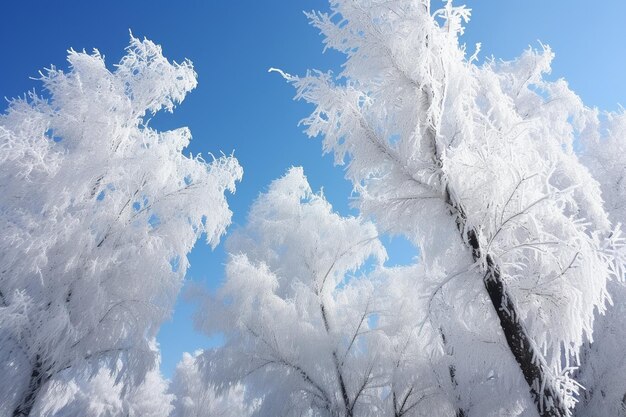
point(100, 394)
point(309, 330)
point(290, 314)
point(97, 214)
point(476, 165)
point(194, 397)
point(604, 360)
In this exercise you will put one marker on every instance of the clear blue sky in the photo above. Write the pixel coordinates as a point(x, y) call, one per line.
point(239, 106)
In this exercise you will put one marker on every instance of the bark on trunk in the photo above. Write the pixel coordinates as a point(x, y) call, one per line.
point(548, 401)
point(37, 380)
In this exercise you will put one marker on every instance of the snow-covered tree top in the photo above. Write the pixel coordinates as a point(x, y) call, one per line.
point(99, 212)
point(475, 164)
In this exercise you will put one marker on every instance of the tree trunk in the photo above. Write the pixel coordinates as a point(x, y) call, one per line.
point(548, 401)
point(342, 384)
point(531, 362)
point(460, 412)
point(37, 380)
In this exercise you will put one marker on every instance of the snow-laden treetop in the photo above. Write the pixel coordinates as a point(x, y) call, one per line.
point(98, 214)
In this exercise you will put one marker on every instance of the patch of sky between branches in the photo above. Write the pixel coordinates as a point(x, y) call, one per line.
point(50, 135)
point(400, 252)
point(154, 221)
point(394, 138)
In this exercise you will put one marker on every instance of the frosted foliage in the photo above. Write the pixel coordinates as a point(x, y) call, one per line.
point(97, 215)
point(604, 361)
point(98, 395)
point(415, 358)
point(434, 142)
point(195, 398)
point(432, 335)
point(603, 150)
point(290, 311)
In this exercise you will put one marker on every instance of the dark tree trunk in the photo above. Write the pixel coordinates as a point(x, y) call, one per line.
point(531, 362)
point(36, 382)
point(548, 401)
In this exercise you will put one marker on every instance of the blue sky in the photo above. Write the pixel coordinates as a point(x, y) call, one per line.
point(239, 106)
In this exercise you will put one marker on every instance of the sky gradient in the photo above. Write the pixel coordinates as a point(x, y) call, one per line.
point(238, 106)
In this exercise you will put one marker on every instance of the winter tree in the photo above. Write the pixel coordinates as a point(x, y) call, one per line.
point(604, 359)
point(99, 394)
point(476, 165)
point(194, 397)
point(290, 315)
point(97, 215)
point(310, 329)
